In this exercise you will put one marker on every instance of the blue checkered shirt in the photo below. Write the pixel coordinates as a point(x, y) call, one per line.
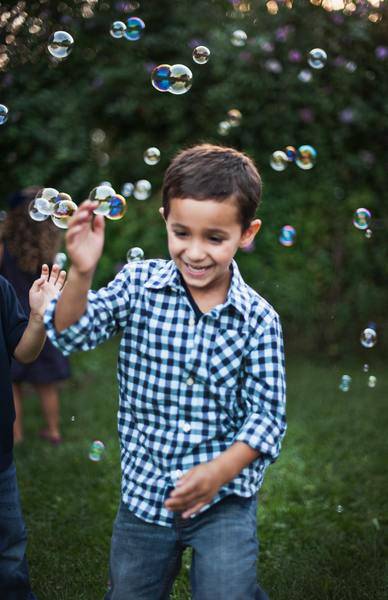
point(187, 390)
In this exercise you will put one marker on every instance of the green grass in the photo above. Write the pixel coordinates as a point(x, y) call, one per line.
point(335, 454)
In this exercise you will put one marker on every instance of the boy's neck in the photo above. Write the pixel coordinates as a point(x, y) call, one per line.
point(207, 299)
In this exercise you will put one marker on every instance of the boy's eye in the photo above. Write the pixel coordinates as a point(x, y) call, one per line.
point(180, 233)
point(217, 240)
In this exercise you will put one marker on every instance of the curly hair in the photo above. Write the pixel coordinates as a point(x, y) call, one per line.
point(31, 243)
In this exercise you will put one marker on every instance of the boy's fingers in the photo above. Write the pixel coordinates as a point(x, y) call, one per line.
point(61, 279)
point(193, 510)
point(45, 271)
point(54, 274)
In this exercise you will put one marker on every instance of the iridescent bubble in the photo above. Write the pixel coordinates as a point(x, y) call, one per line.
point(96, 451)
point(279, 160)
point(160, 77)
point(290, 152)
point(60, 44)
point(368, 233)
point(3, 114)
point(60, 259)
point(361, 218)
point(127, 189)
point(234, 117)
point(305, 76)
point(34, 212)
point(365, 368)
point(118, 29)
point(134, 29)
point(142, 189)
point(238, 38)
point(152, 156)
point(224, 127)
point(317, 58)
point(117, 208)
point(103, 195)
point(201, 55)
point(372, 380)
point(108, 183)
point(306, 157)
point(64, 209)
point(287, 235)
point(368, 338)
point(340, 509)
point(46, 199)
point(181, 79)
point(135, 254)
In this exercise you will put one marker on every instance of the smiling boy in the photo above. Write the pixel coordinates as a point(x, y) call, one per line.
point(201, 382)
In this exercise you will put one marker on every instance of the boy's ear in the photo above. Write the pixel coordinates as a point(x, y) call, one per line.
point(161, 211)
point(250, 233)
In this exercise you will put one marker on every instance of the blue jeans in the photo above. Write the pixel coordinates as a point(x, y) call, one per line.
point(145, 558)
point(14, 578)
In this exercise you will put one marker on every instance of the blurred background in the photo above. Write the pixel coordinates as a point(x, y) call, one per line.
point(89, 118)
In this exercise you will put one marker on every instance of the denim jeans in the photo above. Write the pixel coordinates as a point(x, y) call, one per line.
point(14, 578)
point(145, 558)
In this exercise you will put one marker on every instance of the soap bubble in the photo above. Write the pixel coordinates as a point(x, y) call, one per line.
point(3, 215)
point(161, 77)
point(45, 200)
point(234, 117)
point(127, 189)
point(103, 195)
point(117, 208)
point(317, 58)
point(365, 368)
point(181, 79)
point(305, 76)
point(368, 338)
point(361, 218)
point(340, 509)
point(290, 152)
point(64, 209)
point(345, 383)
point(142, 189)
point(135, 254)
point(224, 127)
point(306, 157)
point(239, 38)
point(34, 212)
point(60, 259)
point(287, 235)
point(201, 55)
point(152, 156)
point(60, 44)
point(368, 233)
point(118, 29)
point(3, 114)
point(134, 29)
point(96, 451)
point(372, 380)
point(279, 160)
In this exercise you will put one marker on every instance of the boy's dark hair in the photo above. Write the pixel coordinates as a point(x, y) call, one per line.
point(208, 172)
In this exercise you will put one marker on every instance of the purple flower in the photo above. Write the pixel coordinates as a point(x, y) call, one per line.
point(306, 115)
point(381, 52)
point(294, 56)
point(346, 115)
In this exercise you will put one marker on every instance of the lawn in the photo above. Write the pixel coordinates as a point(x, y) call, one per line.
point(323, 514)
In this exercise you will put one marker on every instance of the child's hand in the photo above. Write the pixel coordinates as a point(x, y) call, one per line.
point(194, 489)
point(85, 238)
point(44, 289)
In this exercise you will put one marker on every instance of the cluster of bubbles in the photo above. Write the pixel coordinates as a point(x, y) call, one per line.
point(141, 190)
point(110, 205)
point(135, 254)
point(176, 79)
point(60, 45)
point(151, 156)
point(345, 383)
point(304, 157)
point(49, 202)
point(96, 451)
point(201, 55)
point(361, 220)
point(132, 30)
point(317, 58)
point(233, 119)
point(238, 38)
point(3, 114)
point(287, 235)
point(368, 337)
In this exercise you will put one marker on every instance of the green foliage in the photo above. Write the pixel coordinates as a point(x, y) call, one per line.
point(332, 281)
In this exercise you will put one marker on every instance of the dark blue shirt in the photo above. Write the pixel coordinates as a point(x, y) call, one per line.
point(13, 322)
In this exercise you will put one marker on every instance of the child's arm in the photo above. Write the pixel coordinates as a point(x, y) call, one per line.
point(41, 293)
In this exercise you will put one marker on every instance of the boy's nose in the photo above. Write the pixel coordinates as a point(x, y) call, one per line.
point(195, 253)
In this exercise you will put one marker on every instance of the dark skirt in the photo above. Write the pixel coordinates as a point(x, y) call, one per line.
point(49, 367)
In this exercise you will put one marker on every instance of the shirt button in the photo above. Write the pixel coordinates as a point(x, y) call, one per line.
point(189, 381)
point(191, 321)
point(186, 427)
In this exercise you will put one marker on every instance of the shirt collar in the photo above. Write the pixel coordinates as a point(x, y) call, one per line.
point(238, 294)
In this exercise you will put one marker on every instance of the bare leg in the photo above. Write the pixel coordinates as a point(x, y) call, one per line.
point(18, 424)
point(49, 399)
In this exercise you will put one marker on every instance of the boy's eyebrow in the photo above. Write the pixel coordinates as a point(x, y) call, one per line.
point(209, 230)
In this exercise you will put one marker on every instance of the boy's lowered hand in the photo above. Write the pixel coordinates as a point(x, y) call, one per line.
point(85, 238)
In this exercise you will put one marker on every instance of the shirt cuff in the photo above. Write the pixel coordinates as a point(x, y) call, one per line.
point(66, 340)
point(260, 433)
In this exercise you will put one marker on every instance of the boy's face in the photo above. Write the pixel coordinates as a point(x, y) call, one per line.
point(203, 237)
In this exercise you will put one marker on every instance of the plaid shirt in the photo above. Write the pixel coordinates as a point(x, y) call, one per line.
point(188, 390)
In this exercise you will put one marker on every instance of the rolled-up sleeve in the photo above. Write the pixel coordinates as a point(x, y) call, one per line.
point(264, 392)
point(106, 314)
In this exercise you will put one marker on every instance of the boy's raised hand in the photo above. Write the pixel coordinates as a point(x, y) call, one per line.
point(85, 238)
point(44, 289)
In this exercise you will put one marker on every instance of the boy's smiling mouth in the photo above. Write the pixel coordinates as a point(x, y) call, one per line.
point(196, 271)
